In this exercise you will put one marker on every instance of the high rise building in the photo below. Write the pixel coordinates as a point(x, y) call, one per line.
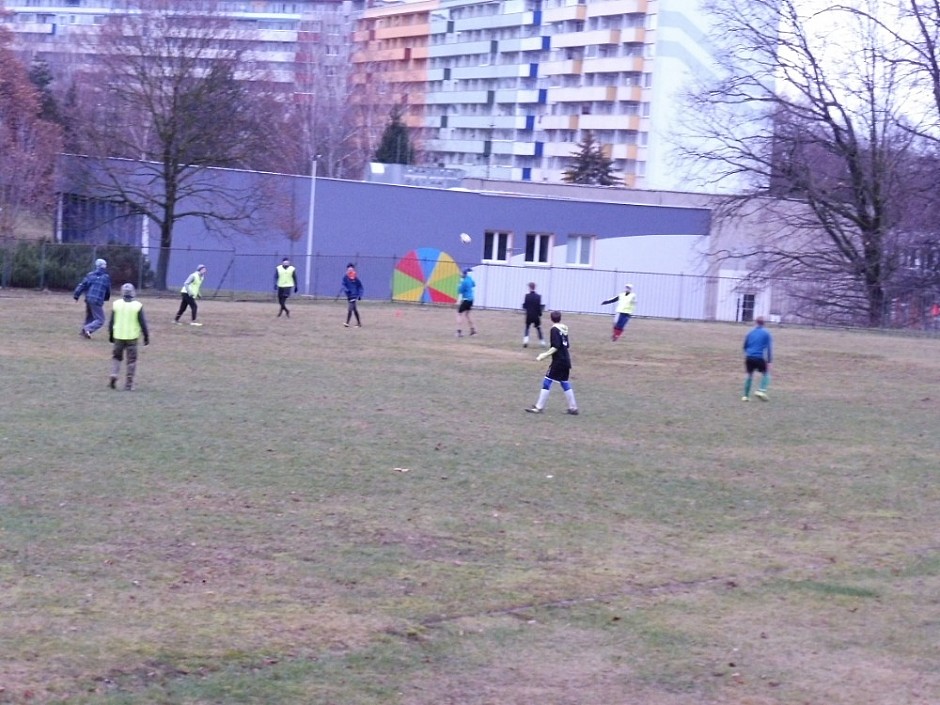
point(507, 89)
point(500, 89)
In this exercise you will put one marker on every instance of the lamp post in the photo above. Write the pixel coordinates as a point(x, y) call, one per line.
point(313, 194)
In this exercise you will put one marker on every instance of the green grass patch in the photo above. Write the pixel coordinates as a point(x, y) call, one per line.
point(288, 511)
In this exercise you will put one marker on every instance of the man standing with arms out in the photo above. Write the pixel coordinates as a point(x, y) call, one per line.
point(354, 289)
point(758, 354)
point(465, 299)
point(626, 305)
point(559, 370)
point(127, 325)
point(190, 292)
point(97, 289)
point(533, 315)
point(285, 279)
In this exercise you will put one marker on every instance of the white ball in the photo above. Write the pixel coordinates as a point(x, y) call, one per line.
point(464, 238)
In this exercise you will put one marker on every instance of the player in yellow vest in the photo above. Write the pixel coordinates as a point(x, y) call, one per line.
point(285, 279)
point(127, 324)
point(626, 305)
point(190, 292)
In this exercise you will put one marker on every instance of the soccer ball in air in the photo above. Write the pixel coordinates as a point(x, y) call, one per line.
point(465, 238)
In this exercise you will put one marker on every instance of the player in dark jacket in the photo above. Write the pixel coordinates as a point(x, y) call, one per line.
point(353, 288)
point(533, 315)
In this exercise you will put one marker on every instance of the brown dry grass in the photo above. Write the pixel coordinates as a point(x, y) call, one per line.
point(293, 512)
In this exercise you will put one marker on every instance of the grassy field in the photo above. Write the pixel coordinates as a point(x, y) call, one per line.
point(288, 511)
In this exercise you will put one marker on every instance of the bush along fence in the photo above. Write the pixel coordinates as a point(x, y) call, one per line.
point(56, 267)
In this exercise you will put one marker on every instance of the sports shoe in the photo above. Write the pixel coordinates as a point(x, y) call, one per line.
point(358, 325)
point(113, 383)
point(744, 399)
point(573, 412)
point(85, 334)
point(195, 323)
point(760, 394)
point(525, 345)
point(177, 321)
point(534, 410)
point(345, 325)
point(543, 343)
point(473, 331)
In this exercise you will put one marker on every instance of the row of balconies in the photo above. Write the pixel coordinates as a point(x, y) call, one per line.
point(535, 148)
point(528, 123)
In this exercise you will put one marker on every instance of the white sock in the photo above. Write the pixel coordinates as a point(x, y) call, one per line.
point(525, 340)
point(543, 397)
point(569, 394)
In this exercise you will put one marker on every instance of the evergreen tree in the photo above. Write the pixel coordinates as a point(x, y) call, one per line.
point(41, 76)
point(591, 165)
point(395, 147)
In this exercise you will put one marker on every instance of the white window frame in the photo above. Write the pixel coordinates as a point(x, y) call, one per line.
point(491, 245)
point(541, 250)
point(575, 251)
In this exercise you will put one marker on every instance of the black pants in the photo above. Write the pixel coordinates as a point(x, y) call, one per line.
point(352, 310)
point(283, 293)
point(187, 302)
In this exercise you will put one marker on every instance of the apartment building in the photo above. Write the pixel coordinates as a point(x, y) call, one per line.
point(507, 89)
point(284, 38)
point(500, 89)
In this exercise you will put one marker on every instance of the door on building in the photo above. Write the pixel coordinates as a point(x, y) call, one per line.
point(746, 307)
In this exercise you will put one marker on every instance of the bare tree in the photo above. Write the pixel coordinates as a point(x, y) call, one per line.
point(28, 145)
point(325, 122)
point(172, 91)
point(804, 112)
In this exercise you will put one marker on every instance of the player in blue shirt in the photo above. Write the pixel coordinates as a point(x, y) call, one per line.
point(465, 295)
point(758, 354)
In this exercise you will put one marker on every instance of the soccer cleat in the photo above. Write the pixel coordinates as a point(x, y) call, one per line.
point(525, 345)
point(473, 331)
point(761, 394)
point(543, 343)
point(113, 383)
point(85, 334)
point(345, 325)
point(573, 412)
point(534, 410)
point(177, 321)
point(195, 323)
point(358, 325)
point(744, 399)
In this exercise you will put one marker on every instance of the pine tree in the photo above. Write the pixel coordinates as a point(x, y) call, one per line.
point(395, 147)
point(591, 165)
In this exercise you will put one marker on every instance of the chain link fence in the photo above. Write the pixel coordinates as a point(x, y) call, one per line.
point(43, 265)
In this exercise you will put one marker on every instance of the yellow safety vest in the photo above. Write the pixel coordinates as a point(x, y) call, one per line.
point(193, 289)
point(126, 319)
point(285, 276)
point(626, 303)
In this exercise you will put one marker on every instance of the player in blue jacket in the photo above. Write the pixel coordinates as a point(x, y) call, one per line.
point(353, 288)
point(758, 354)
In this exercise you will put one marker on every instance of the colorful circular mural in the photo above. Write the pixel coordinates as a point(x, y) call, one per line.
point(426, 275)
